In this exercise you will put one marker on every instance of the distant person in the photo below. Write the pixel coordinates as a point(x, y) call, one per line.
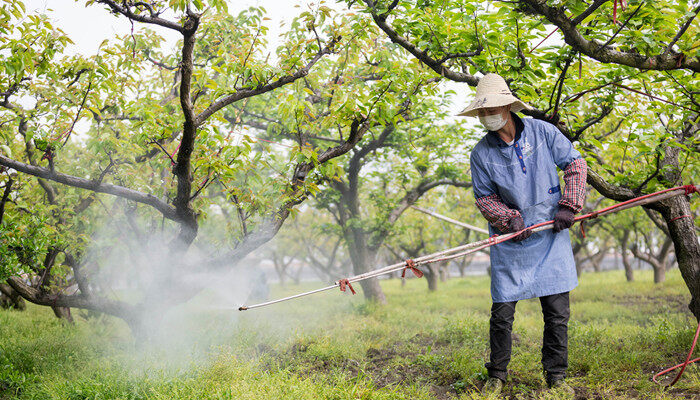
point(515, 183)
point(259, 290)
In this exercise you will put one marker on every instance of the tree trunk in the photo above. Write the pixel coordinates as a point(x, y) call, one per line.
point(444, 272)
point(362, 261)
point(63, 313)
point(629, 272)
point(372, 290)
point(463, 263)
point(297, 278)
point(659, 273)
point(432, 274)
point(10, 298)
point(280, 275)
point(687, 248)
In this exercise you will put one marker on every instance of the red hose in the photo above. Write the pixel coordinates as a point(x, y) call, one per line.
point(682, 365)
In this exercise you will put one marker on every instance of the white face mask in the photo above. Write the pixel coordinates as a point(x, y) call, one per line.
point(492, 122)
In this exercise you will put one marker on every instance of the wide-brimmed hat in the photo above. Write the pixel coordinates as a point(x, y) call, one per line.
point(492, 91)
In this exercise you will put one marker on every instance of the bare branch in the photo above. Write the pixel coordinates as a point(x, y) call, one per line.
point(409, 199)
point(657, 219)
point(608, 190)
point(391, 7)
point(77, 114)
point(617, 32)
point(160, 64)
point(172, 160)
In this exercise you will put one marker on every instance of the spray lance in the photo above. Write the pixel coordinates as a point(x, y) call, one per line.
point(461, 251)
point(465, 249)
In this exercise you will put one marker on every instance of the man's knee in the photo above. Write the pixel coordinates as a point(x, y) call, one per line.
point(502, 315)
point(555, 308)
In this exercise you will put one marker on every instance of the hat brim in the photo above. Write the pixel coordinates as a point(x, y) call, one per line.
point(494, 100)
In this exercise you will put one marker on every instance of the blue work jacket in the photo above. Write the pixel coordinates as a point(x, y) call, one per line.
point(524, 175)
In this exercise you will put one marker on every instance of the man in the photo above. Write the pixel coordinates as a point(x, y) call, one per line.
point(515, 183)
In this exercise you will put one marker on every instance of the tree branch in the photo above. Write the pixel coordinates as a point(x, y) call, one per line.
point(269, 226)
point(245, 93)
point(114, 190)
point(596, 4)
point(5, 197)
point(681, 31)
point(608, 190)
point(408, 200)
point(649, 259)
point(592, 48)
point(592, 121)
point(182, 170)
point(36, 296)
point(435, 65)
point(657, 219)
point(125, 9)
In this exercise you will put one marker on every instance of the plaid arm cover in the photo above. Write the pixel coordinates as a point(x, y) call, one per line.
point(495, 211)
point(575, 185)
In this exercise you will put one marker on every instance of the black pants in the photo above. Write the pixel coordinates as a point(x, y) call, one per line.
point(555, 309)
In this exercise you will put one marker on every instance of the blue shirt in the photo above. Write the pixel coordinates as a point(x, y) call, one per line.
point(524, 175)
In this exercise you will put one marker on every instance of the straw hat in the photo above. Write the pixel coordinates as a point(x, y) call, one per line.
point(492, 91)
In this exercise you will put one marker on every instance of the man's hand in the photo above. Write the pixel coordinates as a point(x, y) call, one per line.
point(563, 219)
point(517, 224)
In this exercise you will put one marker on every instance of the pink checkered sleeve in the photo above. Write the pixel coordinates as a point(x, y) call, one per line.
point(495, 211)
point(575, 185)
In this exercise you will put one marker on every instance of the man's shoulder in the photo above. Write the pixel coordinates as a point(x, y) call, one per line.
point(538, 125)
point(481, 146)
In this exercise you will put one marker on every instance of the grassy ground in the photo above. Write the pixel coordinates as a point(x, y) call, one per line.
point(420, 346)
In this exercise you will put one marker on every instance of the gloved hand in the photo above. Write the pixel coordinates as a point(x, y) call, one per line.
point(516, 224)
point(563, 219)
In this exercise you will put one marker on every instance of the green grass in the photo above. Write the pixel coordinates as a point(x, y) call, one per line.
point(420, 346)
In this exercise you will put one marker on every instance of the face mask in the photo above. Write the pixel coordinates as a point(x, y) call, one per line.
point(493, 122)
